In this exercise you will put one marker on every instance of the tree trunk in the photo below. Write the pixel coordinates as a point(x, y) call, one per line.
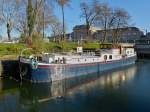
point(63, 22)
point(43, 19)
point(87, 25)
point(8, 31)
point(105, 32)
point(43, 25)
point(30, 17)
point(87, 30)
point(104, 37)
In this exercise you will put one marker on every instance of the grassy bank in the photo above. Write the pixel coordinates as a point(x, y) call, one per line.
point(11, 51)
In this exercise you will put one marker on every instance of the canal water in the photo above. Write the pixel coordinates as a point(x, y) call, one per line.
point(123, 90)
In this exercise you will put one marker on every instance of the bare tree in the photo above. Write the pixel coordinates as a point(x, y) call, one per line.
point(44, 17)
point(62, 3)
point(90, 13)
point(111, 21)
point(33, 17)
point(56, 28)
point(33, 8)
point(8, 14)
point(105, 20)
point(21, 20)
point(121, 21)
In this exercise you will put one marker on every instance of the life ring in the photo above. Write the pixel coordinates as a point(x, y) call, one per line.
point(34, 63)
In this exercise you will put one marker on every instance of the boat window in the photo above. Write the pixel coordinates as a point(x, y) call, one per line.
point(110, 56)
point(105, 57)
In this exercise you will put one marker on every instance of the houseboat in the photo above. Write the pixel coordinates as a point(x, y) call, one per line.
point(54, 67)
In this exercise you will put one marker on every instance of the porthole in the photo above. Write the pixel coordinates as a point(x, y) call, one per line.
point(105, 57)
point(110, 56)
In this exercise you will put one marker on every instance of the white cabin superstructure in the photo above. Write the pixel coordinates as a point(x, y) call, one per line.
point(106, 55)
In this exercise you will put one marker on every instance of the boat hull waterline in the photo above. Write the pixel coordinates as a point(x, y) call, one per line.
point(54, 72)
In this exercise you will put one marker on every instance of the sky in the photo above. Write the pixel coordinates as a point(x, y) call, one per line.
point(137, 9)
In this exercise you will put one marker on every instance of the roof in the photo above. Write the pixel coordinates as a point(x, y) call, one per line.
point(124, 29)
point(85, 26)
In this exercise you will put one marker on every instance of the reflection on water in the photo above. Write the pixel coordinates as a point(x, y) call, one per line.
point(35, 97)
point(108, 80)
point(113, 79)
point(9, 96)
point(117, 78)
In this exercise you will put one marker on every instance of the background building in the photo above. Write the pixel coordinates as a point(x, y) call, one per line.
point(129, 34)
point(148, 35)
point(80, 32)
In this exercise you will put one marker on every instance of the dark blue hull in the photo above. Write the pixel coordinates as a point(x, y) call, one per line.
point(54, 72)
